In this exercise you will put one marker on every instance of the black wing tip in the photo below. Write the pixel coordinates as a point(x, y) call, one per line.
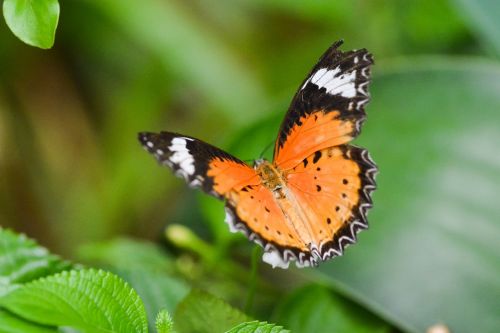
point(334, 48)
point(337, 43)
point(144, 136)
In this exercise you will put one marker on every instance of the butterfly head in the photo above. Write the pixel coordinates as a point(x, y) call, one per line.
point(259, 162)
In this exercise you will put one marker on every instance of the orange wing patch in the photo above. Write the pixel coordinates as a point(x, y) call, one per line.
point(333, 186)
point(313, 132)
point(254, 211)
point(230, 175)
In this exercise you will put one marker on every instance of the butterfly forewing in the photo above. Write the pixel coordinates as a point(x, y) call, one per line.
point(328, 108)
point(200, 164)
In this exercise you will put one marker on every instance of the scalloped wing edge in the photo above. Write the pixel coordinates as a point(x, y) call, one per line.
point(347, 235)
point(274, 254)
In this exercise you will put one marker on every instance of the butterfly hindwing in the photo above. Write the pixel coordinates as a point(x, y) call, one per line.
point(328, 108)
point(200, 164)
point(334, 188)
point(254, 211)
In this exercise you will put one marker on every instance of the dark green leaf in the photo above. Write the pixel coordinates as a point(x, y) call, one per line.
point(22, 260)
point(201, 312)
point(257, 327)
point(482, 16)
point(316, 309)
point(33, 22)
point(89, 300)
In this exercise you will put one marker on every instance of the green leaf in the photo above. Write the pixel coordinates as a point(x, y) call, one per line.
point(201, 312)
point(146, 267)
point(482, 16)
point(22, 260)
point(315, 309)
point(163, 322)
point(257, 327)
point(89, 300)
point(10, 323)
point(432, 252)
point(33, 22)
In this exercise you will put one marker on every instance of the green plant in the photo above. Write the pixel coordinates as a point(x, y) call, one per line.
point(40, 292)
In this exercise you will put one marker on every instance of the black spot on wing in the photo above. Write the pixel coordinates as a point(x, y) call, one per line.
point(317, 156)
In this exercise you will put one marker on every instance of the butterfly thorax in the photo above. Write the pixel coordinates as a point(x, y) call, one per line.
point(271, 176)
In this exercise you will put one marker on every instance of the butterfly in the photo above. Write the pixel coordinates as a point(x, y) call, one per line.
point(311, 200)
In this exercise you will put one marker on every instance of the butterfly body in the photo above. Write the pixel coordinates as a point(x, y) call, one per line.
point(310, 201)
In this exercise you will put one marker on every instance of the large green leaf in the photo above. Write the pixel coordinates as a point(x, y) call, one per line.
point(22, 260)
point(89, 300)
point(432, 252)
point(201, 312)
point(315, 309)
point(33, 22)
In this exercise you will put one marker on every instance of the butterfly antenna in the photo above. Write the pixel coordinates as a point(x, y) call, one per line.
point(265, 149)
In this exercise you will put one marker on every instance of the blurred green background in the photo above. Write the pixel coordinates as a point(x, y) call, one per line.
point(73, 176)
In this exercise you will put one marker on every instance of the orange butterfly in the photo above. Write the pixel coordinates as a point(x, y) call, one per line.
point(309, 203)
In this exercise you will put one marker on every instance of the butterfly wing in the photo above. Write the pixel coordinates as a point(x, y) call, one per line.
point(328, 108)
point(330, 181)
point(250, 206)
point(200, 164)
point(334, 188)
point(255, 212)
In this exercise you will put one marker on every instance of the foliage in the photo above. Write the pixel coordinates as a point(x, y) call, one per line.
point(314, 308)
point(257, 327)
point(74, 178)
point(204, 313)
point(93, 300)
point(164, 323)
point(89, 300)
point(23, 261)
